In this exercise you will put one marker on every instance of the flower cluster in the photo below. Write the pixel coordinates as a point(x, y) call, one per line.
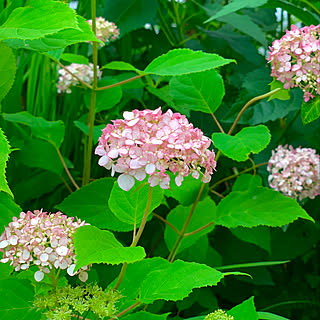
point(105, 30)
point(295, 60)
point(295, 172)
point(41, 239)
point(218, 315)
point(148, 142)
point(82, 71)
point(64, 302)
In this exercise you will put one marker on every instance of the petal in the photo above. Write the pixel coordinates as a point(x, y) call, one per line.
point(150, 168)
point(38, 275)
point(83, 276)
point(70, 270)
point(125, 182)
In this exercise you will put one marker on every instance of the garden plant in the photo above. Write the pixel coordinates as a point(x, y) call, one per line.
point(160, 159)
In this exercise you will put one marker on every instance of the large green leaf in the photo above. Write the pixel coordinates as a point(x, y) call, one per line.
point(144, 315)
point(258, 206)
point(129, 15)
point(90, 203)
point(201, 91)
point(8, 209)
point(204, 213)
point(238, 147)
point(184, 61)
point(106, 99)
point(4, 156)
point(51, 131)
point(74, 58)
point(244, 311)
point(16, 300)
point(57, 40)
point(93, 245)
point(129, 206)
point(236, 5)
point(270, 316)
point(310, 110)
point(38, 19)
point(177, 281)
point(7, 69)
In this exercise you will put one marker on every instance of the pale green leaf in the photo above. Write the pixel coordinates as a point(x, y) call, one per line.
point(38, 19)
point(120, 65)
point(238, 147)
point(74, 58)
point(244, 311)
point(183, 61)
point(51, 131)
point(16, 300)
point(258, 206)
point(177, 281)
point(7, 69)
point(129, 206)
point(310, 110)
point(93, 245)
point(236, 5)
point(270, 316)
point(201, 91)
point(144, 315)
point(283, 94)
point(204, 213)
point(4, 156)
point(90, 203)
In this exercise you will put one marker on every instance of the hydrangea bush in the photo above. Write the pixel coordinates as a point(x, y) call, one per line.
point(208, 209)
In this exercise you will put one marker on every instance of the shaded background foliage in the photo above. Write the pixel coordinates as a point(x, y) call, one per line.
point(147, 30)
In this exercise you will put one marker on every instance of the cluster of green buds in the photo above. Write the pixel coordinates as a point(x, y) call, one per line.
point(218, 315)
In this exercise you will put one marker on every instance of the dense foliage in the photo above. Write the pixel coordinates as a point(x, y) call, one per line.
point(168, 212)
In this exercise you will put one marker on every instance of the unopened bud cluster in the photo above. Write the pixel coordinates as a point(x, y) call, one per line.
point(295, 60)
point(295, 172)
point(65, 302)
point(41, 239)
point(218, 315)
point(82, 71)
point(150, 142)
point(105, 30)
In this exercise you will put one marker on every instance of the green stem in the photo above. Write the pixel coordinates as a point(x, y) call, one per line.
point(136, 238)
point(184, 228)
point(92, 108)
point(125, 311)
point(120, 83)
point(312, 6)
point(199, 229)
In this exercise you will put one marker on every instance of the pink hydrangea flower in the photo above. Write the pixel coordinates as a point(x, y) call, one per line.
point(105, 30)
point(149, 142)
point(41, 239)
point(295, 60)
point(295, 172)
point(82, 71)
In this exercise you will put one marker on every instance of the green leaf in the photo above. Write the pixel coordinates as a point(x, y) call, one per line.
point(4, 156)
point(270, 316)
point(201, 91)
point(183, 61)
point(143, 315)
point(90, 203)
point(16, 300)
point(38, 19)
point(163, 94)
point(57, 40)
point(37, 153)
point(252, 265)
point(258, 206)
point(8, 209)
point(120, 65)
point(93, 245)
point(283, 94)
point(129, 15)
point(177, 281)
point(129, 206)
point(310, 110)
point(247, 182)
point(7, 69)
point(244, 311)
point(51, 131)
point(238, 147)
point(106, 99)
point(236, 5)
point(187, 193)
point(244, 24)
point(204, 213)
point(74, 58)
point(85, 129)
